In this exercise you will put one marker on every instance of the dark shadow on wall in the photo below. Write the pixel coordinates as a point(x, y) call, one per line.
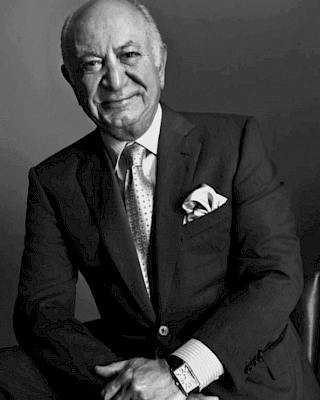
point(14, 169)
point(296, 150)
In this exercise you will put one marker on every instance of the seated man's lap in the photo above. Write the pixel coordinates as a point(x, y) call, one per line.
point(19, 377)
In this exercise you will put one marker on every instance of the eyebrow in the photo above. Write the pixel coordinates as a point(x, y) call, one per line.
point(129, 43)
point(83, 52)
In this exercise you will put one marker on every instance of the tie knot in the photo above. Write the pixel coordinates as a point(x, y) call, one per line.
point(134, 154)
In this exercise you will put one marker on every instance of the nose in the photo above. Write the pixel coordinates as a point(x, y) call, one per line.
point(115, 77)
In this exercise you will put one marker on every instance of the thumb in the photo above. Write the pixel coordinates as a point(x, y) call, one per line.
point(110, 369)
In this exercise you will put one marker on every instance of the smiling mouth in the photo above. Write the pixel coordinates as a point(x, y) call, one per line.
point(117, 103)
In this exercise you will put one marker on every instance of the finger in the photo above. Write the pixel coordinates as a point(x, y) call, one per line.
point(110, 369)
point(118, 389)
point(111, 390)
point(121, 384)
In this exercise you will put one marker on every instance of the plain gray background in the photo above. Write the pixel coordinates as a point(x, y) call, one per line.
point(254, 57)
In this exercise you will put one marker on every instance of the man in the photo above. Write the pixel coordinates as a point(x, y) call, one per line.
point(194, 286)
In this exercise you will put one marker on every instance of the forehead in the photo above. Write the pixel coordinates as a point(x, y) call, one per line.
point(108, 24)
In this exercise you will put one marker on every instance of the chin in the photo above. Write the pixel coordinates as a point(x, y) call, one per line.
point(122, 129)
point(120, 122)
point(118, 118)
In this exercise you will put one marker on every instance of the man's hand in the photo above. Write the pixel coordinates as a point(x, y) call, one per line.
point(140, 379)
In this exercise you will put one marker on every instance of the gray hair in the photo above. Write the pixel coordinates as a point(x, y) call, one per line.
point(152, 29)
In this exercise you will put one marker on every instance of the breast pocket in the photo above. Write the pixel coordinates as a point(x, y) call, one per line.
point(211, 220)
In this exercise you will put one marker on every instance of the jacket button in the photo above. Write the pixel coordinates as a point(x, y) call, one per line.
point(163, 330)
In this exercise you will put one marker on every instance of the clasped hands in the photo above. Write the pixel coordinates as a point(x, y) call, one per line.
point(142, 379)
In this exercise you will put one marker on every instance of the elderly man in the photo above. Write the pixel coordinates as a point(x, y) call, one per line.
point(180, 227)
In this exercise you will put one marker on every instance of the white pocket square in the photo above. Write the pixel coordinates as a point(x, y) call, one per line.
point(202, 201)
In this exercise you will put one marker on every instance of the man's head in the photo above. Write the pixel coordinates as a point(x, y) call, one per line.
point(115, 60)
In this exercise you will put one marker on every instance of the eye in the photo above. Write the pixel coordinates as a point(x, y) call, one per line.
point(130, 56)
point(91, 66)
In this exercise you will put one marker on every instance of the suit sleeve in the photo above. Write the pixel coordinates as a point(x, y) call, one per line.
point(44, 321)
point(264, 275)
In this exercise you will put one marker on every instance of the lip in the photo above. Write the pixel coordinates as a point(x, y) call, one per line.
point(117, 102)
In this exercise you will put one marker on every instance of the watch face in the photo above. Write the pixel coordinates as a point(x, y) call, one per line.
point(186, 378)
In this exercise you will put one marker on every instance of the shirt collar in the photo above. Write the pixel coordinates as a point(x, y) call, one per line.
point(149, 139)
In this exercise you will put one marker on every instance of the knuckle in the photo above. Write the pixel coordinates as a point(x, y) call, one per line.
point(136, 387)
point(138, 390)
point(127, 375)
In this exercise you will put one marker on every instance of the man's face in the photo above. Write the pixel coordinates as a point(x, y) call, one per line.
point(114, 73)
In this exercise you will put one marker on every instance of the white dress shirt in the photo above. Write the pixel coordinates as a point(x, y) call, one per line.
point(204, 363)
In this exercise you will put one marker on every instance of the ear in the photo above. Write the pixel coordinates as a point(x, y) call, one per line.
point(66, 75)
point(162, 65)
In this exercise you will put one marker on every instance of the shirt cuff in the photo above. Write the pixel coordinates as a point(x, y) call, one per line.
point(205, 365)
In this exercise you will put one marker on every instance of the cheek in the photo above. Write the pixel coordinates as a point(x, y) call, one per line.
point(88, 87)
point(153, 83)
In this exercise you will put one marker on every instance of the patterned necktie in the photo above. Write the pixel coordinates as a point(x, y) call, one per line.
point(139, 202)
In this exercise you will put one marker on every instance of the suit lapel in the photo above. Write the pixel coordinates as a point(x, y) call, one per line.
point(100, 187)
point(177, 158)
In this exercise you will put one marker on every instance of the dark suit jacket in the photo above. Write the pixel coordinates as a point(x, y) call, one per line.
point(229, 279)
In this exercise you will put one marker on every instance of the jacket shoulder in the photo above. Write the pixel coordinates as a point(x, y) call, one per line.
point(218, 120)
point(69, 155)
point(223, 130)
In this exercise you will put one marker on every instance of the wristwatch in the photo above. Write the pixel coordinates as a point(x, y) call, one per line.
point(183, 376)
